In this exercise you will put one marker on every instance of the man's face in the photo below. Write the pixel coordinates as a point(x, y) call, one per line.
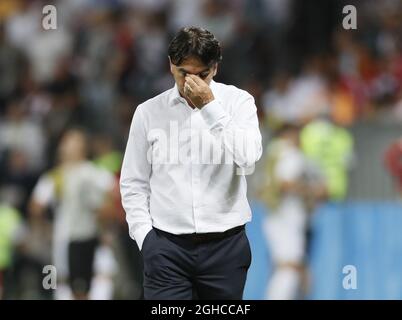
point(191, 65)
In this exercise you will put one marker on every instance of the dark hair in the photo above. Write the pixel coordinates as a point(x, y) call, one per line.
point(194, 41)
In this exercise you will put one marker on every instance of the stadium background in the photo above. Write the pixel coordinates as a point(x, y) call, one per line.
point(108, 56)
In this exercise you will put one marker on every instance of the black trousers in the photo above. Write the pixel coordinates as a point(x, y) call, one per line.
point(81, 255)
point(180, 269)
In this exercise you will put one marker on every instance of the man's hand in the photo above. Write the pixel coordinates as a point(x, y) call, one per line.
point(197, 91)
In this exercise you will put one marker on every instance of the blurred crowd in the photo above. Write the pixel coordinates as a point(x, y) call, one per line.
point(107, 56)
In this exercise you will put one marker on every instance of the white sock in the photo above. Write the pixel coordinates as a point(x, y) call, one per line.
point(101, 288)
point(284, 284)
point(62, 292)
point(105, 267)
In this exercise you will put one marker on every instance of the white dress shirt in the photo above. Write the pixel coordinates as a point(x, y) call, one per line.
point(184, 169)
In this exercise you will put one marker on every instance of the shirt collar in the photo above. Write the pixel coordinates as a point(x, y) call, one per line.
point(175, 96)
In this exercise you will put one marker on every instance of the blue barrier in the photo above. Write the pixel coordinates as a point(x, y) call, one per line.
point(367, 235)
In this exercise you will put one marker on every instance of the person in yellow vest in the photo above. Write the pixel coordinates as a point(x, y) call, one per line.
point(331, 148)
point(10, 220)
point(292, 186)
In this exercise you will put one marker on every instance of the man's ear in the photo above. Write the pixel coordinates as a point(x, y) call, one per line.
point(171, 65)
point(215, 70)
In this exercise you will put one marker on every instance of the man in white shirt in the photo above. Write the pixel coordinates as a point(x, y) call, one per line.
point(183, 181)
point(78, 190)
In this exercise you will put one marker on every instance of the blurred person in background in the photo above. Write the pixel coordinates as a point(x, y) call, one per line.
point(22, 151)
point(393, 162)
point(296, 98)
point(277, 101)
point(12, 62)
point(10, 220)
point(291, 188)
point(42, 49)
point(78, 190)
point(30, 253)
point(330, 147)
point(19, 132)
point(17, 178)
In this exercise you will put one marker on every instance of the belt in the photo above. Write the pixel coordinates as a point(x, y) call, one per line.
point(204, 237)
